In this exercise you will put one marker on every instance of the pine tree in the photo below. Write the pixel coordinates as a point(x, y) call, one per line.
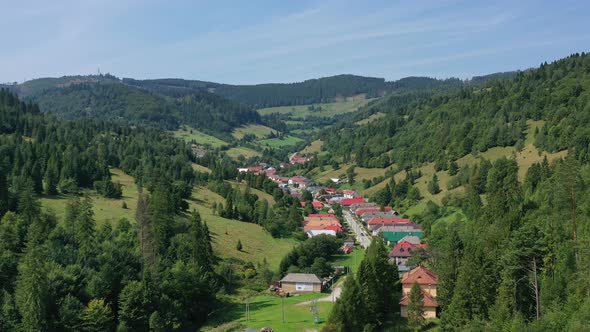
point(97, 317)
point(32, 290)
point(416, 308)
point(349, 312)
point(51, 176)
point(376, 270)
point(239, 246)
point(433, 186)
point(85, 231)
point(132, 307)
point(70, 312)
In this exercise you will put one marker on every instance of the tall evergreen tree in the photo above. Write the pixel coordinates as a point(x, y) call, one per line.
point(415, 308)
point(32, 290)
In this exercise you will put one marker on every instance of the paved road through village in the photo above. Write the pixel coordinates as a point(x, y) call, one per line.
point(361, 234)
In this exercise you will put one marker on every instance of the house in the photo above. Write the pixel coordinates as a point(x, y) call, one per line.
point(401, 227)
point(428, 281)
point(401, 253)
point(376, 223)
point(297, 159)
point(252, 169)
point(349, 241)
point(314, 232)
point(301, 283)
point(365, 217)
point(394, 237)
point(314, 204)
point(299, 181)
point(349, 193)
point(374, 209)
point(350, 201)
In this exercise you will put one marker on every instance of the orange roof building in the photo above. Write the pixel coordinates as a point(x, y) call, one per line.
point(428, 282)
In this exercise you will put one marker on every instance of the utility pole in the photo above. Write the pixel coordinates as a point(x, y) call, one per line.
point(247, 310)
point(283, 307)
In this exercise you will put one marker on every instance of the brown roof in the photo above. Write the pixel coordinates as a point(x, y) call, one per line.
point(421, 275)
point(302, 277)
point(429, 301)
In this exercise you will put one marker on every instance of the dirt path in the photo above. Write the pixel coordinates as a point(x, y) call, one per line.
point(330, 298)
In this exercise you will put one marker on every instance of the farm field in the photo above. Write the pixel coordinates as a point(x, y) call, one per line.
point(327, 109)
point(193, 135)
point(313, 147)
point(235, 153)
point(259, 131)
point(280, 142)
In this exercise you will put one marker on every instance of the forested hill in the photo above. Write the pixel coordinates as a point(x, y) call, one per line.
point(421, 128)
point(327, 89)
point(106, 97)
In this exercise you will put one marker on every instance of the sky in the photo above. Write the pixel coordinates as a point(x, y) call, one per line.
point(250, 42)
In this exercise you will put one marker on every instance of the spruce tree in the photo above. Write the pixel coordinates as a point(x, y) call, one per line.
point(349, 312)
point(97, 317)
point(32, 290)
point(415, 307)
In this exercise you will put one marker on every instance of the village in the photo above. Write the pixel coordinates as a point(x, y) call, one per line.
point(344, 213)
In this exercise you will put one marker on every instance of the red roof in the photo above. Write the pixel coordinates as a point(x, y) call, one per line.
point(302, 204)
point(298, 179)
point(317, 205)
point(429, 301)
point(330, 190)
point(421, 275)
point(322, 215)
point(350, 201)
point(404, 249)
point(388, 221)
point(254, 168)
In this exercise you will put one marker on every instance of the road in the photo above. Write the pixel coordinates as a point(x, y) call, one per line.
point(362, 236)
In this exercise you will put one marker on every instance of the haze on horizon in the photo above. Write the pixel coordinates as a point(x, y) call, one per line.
point(268, 41)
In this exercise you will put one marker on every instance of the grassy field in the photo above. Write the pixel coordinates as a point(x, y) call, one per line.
point(313, 147)
point(352, 260)
point(261, 194)
point(327, 110)
point(371, 118)
point(199, 168)
point(266, 310)
point(525, 158)
point(242, 151)
point(361, 173)
point(104, 208)
point(257, 243)
point(280, 142)
point(259, 131)
point(193, 135)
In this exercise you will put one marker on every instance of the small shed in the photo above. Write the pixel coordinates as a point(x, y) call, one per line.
point(301, 283)
point(349, 241)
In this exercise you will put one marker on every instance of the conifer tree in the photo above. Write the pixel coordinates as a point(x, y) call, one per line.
point(415, 307)
point(349, 312)
point(32, 290)
point(97, 317)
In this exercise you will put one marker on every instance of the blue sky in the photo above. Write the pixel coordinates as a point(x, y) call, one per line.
point(249, 42)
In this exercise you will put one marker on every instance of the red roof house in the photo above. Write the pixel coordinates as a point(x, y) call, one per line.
point(428, 281)
point(350, 201)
